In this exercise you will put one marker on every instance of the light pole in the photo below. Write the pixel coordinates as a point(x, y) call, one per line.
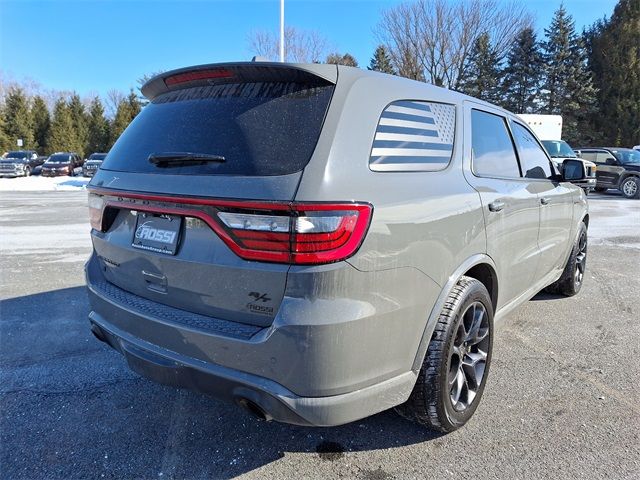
point(282, 30)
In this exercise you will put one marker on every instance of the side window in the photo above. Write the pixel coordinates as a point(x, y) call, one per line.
point(413, 136)
point(602, 157)
point(493, 154)
point(590, 156)
point(533, 160)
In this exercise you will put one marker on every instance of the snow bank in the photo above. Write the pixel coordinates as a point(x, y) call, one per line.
point(40, 183)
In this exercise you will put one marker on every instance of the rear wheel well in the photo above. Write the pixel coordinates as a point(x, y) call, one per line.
point(585, 220)
point(485, 274)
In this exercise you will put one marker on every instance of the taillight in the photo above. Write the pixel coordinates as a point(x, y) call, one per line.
point(197, 75)
point(96, 210)
point(304, 234)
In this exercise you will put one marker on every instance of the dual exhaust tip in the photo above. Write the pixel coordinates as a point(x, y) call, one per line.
point(254, 409)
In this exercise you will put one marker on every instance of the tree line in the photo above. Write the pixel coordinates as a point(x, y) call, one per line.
point(485, 48)
point(71, 126)
point(489, 50)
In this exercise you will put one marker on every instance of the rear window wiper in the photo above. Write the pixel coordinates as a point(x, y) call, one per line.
point(170, 159)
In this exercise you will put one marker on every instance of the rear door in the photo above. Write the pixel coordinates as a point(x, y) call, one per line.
point(260, 125)
point(510, 203)
point(556, 199)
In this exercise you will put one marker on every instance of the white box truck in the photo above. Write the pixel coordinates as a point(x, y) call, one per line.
point(548, 128)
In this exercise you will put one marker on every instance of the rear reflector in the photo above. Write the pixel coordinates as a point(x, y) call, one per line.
point(197, 76)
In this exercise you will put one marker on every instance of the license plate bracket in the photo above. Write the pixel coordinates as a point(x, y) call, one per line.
point(157, 233)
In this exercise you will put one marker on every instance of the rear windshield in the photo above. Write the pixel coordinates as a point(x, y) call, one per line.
point(258, 129)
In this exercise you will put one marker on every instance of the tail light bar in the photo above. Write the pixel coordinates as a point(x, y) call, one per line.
point(291, 232)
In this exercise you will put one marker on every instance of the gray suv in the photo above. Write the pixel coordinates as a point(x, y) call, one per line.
point(319, 243)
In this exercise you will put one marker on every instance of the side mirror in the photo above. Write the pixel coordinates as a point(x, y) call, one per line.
point(572, 170)
point(611, 161)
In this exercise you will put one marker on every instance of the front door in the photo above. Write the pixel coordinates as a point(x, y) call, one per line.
point(510, 203)
point(556, 200)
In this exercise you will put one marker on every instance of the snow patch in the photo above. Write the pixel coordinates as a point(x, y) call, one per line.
point(40, 183)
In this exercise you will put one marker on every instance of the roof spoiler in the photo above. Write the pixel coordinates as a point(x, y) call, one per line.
point(239, 72)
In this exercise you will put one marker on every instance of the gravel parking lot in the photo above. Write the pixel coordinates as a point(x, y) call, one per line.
point(561, 401)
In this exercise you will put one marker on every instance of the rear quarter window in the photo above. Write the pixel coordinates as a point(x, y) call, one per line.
point(260, 128)
point(413, 136)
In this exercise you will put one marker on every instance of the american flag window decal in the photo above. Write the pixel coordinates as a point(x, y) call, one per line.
point(413, 136)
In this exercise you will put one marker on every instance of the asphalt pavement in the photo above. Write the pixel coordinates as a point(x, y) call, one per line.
point(561, 399)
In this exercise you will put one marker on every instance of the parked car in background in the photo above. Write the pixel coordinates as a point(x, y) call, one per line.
point(617, 168)
point(319, 243)
point(61, 163)
point(19, 163)
point(559, 150)
point(92, 164)
point(548, 128)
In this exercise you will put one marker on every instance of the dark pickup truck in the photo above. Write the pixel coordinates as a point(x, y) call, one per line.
point(20, 163)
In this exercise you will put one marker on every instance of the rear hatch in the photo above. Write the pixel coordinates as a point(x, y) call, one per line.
point(218, 149)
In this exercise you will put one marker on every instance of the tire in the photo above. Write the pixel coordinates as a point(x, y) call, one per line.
point(601, 189)
point(570, 283)
point(432, 402)
point(27, 171)
point(630, 187)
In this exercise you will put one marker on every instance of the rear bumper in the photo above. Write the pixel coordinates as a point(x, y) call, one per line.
point(263, 397)
point(311, 371)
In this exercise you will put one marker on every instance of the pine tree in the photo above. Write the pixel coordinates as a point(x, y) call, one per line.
point(568, 87)
point(80, 120)
point(522, 74)
point(17, 119)
point(340, 59)
point(481, 77)
point(5, 142)
point(62, 137)
point(98, 128)
point(614, 58)
point(127, 110)
point(41, 123)
point(380, 62)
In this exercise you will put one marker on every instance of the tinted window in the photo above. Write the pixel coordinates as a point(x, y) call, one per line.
point(97, 156)
point(59, 158)
point(493, 154)
point(591, 156)
point(259, 129)
point(413, 136)
point(533, 160)
point(18, 155)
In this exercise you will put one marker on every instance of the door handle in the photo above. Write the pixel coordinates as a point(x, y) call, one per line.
point(496, 206)
point(544, 200)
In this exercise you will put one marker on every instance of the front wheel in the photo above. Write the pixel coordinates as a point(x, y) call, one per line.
point(630, 187)
point(455, 368)
point(27, 172)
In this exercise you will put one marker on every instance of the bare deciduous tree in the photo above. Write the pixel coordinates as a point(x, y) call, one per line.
point(431, 39)
point(114, 97)
point(300, 45)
